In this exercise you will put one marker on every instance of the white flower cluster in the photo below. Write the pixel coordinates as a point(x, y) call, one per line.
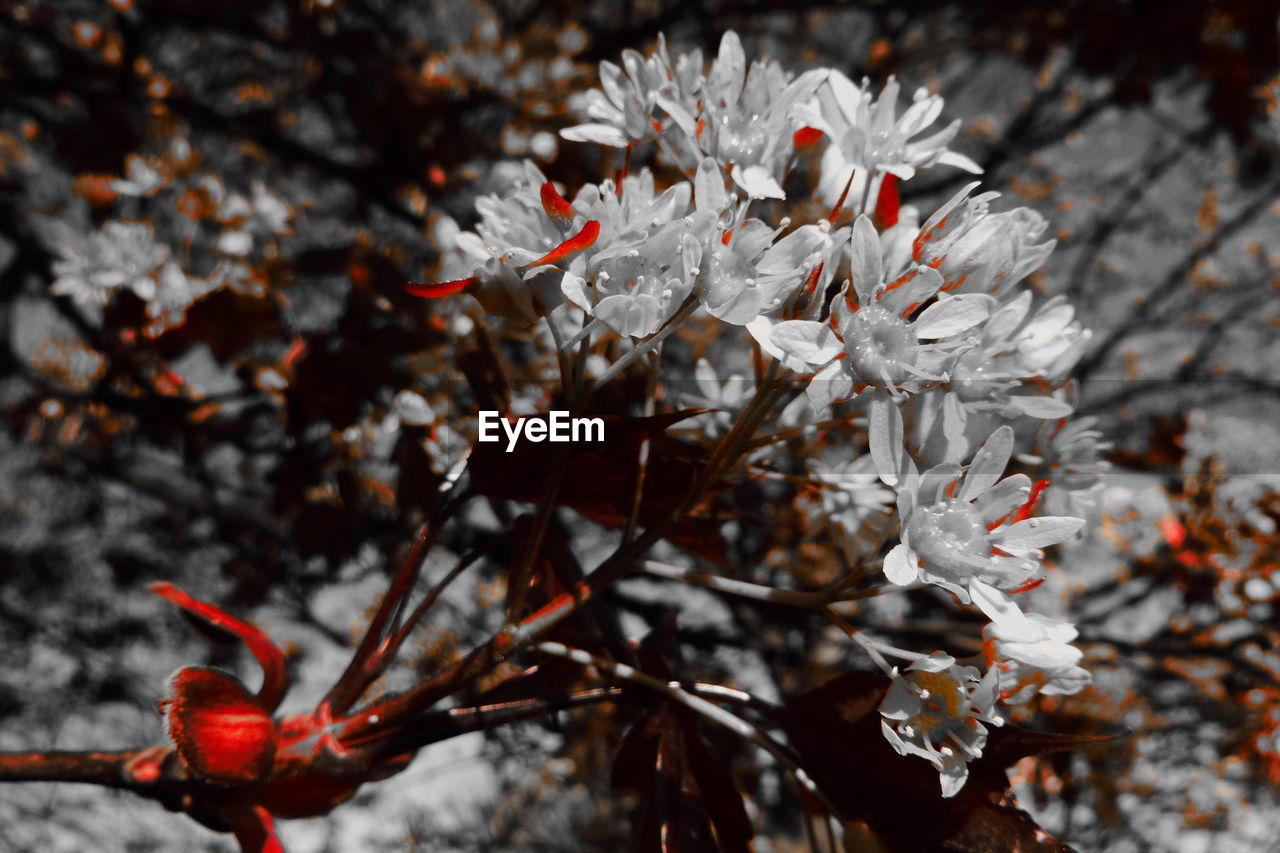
point(126, 255)
point(930, 330)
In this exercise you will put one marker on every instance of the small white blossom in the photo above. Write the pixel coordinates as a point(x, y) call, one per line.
point(1030, 653)
point(122, 254)
point(978, 251)
point(873, 343)
point(936, 710)
point(955, 525)
point(867, 135)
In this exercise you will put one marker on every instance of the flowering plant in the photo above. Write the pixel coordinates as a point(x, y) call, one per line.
point(896, 370)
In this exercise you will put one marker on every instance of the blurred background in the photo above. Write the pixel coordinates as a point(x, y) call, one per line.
point(209, 371)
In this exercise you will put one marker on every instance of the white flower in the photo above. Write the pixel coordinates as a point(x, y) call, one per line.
point(1030, 653)
point(510, 262)
point(141, 178)
point(873, 343)
point(1070, 455)
point(122, 254)
point(867, 135)
point(936, 710)
point(637, 275)
point(624, 110)
point(747, 119)
point(978, 251)
point(954, 528)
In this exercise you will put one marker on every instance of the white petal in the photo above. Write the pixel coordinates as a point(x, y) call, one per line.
point(1038, 532)
point(885, 436)
point(899, 567)
point(757, 182)
point(988, 463)
point(1047, 408)
point(867, 267)
point(951, 315)
point(814, 343)
point(601, 134)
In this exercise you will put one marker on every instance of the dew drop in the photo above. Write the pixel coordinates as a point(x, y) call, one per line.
point(1035, 522)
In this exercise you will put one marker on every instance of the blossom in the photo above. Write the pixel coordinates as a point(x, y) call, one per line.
point(747, 120)
point(852, 503)
point(624, 109)
point(1030, 653)
point(1070, 454)
point(637, 275)
point(867, 134)
point(122, 254)
point(936, 710)
point(142, 178)
point(978, 251)
point(509, 263)
point(872, 342)
point(955, 525)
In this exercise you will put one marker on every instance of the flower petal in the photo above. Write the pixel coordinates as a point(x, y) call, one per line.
point(988, 463)
point(1038, 532)
point(899, 567)
point(814, 343)
point(952, 314)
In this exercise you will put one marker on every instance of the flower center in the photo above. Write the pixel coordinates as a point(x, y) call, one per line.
point(949, 536)
point(879, 344)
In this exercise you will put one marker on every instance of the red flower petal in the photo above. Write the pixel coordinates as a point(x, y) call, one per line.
point(804, 137)
point(582, 240)
point(556, 206)
point(442, 288)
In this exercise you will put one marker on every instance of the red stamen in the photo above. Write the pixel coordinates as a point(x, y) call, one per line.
point(443, 288)
point(728, 235)
point(582, 240)
point(811, 283)
point(296, 349)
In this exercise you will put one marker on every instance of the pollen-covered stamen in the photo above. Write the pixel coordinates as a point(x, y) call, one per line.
point(556, 206)
point(584, 239)
point(880, 346)
point(436, 290)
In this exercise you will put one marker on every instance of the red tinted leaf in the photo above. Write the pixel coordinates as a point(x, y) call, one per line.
point(599, 479)
point(269, 656)
point(220, 731)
